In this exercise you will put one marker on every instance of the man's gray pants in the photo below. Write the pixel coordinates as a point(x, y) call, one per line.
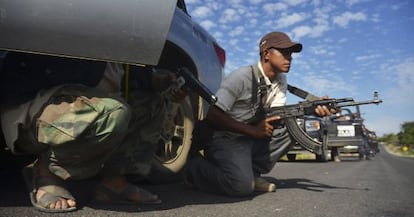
point(230, 165)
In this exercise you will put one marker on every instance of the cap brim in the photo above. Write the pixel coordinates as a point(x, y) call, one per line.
point(296, 48)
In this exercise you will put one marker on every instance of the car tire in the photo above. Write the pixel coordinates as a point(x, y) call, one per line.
point(291, 157)
point(323, 157)
point(170, 159)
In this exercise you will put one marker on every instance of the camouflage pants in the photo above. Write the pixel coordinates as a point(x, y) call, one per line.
point(149, 111)
point(76, 131)
point(81, 132)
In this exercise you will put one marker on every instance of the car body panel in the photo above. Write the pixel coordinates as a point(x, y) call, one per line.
point(198, 44)
point(147, 32)
point(95, 29)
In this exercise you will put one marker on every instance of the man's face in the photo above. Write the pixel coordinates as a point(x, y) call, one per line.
point(279, 59)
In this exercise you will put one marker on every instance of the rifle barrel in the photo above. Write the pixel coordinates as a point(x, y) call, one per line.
point(375, 101)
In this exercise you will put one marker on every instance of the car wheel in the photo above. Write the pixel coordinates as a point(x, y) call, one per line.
point(171, 154)
point(323, 157)
point(360, 156)
point(291, 157)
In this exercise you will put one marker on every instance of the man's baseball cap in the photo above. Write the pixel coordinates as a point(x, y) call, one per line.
point(278, 40)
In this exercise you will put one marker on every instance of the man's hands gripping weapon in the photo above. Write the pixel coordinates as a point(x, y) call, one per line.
point(186, 79)
point(178, 82)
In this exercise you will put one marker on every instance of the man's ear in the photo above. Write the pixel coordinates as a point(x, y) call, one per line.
point(265, 54)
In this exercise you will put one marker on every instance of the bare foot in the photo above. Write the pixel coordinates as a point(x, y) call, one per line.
point(45, 174)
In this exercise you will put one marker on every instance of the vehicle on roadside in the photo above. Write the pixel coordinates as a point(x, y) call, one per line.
point(372, 140)
point(369, 147)
point(157, 33)
point(342, 132)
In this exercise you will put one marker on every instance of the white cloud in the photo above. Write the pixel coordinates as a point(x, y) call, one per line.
point(270, 8)
point(352, 2)
point(375, 18)
point(233, 42)
point(191, 1)
point(318, 31)
point(229, 15)
point(398, 6)
point(207, 24)
point(405, 72)
point(367, 57)
point(308, 31)
point(294, 2)
point(346, 17)
point(319, 50)
point(234, 2)
point(256, 1)
point(398, 101)
point(322, 85)
point(236, 31)
point(291, 19)
point(215, 6)
point(253, 22)
point(316, 3)
point(301, 31)
point(201, 12)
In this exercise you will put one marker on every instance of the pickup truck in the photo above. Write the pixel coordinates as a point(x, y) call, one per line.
point(339, 132)
point(151, 32)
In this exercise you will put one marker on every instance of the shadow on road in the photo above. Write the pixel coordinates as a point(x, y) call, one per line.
point(305, 184)
point(174, 195)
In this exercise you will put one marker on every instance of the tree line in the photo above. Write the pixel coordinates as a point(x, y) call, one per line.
point(404, 138)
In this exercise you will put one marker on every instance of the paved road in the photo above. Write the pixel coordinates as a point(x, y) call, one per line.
point(382, 187)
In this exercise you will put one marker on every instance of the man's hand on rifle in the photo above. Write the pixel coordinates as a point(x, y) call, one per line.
point(162, 79)
point(178, 94)
point(265, 127)
point(323, 110)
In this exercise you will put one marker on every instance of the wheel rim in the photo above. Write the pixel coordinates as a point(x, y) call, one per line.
point(172, 150)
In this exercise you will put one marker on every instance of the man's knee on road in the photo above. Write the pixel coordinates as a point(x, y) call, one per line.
point(238, 187)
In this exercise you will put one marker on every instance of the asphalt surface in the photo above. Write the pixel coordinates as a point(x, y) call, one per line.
point(381, 187)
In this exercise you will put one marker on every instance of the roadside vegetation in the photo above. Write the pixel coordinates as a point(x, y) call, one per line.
point(401, 143)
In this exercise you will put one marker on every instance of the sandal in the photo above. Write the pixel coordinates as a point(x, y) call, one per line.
point(124, 197)
point(53, 188)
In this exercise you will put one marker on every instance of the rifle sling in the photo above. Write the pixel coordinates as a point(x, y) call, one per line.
point(292, 89)
point(258, 88)
point(302, 93)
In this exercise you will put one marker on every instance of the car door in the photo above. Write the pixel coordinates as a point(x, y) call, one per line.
point(127, 31)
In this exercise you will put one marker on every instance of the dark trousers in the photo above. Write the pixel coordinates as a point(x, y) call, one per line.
point(230, 164)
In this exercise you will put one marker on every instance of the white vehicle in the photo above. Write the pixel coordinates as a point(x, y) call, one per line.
point(151, 32)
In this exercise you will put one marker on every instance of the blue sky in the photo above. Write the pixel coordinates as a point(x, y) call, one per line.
point(351, 48)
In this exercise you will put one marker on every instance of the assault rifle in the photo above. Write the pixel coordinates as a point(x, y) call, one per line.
point(186, 79)
point(290, 113)
point(308, 107)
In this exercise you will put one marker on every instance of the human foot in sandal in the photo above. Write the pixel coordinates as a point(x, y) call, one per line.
point(47, 192)
point(118, 190)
